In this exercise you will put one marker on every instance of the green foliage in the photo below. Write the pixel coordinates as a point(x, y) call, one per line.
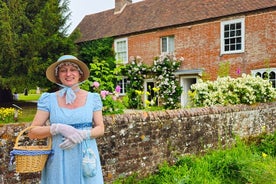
point(102, 73)
point(112, 106)
point(170, 90)
point(224, 69)
point(105, 73)
point(101, 49)
point(264, 144)
point(226, 90)
point(9, 115)
point(239, 164)
point(32, 36)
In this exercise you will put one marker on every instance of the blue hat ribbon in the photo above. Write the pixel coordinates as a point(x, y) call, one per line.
point(70, 94)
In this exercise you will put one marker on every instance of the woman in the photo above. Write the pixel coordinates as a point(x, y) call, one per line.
point(75, 117)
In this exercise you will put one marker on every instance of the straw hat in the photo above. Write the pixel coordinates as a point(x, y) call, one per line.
point(50, 72)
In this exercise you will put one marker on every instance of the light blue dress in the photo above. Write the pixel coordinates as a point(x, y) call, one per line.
point(65, 166)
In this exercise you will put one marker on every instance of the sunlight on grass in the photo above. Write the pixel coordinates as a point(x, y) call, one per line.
point(29, 97)
point(27, 114)
point(28, 111)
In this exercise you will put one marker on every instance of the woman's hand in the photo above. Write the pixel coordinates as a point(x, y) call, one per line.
point(73, 134)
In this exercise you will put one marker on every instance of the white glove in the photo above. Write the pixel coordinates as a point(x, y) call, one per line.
point(69, 132)
point(68, 144)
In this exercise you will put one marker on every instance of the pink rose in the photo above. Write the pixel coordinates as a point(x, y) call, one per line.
point(118, 89)
point(104, 94)
point(96, 84)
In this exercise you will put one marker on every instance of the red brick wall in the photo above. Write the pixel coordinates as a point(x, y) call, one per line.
point(199, 44)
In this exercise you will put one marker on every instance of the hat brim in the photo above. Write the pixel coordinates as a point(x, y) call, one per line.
point(50, 72)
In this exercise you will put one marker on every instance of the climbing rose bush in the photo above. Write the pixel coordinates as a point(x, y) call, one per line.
point(136, 71)
point(168, 85)
point(246, 89)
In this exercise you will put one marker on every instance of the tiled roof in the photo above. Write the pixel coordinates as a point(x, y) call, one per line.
point(155, 14)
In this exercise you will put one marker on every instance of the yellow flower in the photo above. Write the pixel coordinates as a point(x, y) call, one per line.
point(7, 114)
point(264, 155)
point(138, 92)
point(156, 89)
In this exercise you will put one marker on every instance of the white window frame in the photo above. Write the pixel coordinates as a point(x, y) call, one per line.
point(121, 50)
point(232, 38)
point(263, 71)
point(169, 47)
point(123, 85)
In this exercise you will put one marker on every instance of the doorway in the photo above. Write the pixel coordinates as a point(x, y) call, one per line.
point(185, 83)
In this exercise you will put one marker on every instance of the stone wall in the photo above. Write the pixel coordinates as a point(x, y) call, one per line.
point(137, 142)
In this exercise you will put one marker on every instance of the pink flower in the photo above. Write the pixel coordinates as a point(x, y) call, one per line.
point(96, 84)
point(118, 89)
point(238, 71)
point(114, 98)
point(104, 94)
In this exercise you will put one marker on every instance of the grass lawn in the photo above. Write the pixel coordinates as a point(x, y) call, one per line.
point(29, 97)
point(28, 105)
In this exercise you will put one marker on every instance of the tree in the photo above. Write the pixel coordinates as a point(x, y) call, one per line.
point(101, 49)
point(32, 36)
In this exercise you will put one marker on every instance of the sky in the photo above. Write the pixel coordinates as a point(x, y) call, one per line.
point(80, 8)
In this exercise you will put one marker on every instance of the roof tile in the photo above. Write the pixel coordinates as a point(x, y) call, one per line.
point(155, 14)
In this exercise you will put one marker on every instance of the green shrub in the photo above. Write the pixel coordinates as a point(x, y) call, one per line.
point(226, 90)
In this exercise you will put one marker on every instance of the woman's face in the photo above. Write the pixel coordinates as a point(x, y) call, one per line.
point(68, 75)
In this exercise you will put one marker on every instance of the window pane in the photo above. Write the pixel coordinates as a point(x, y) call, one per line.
point(238, 40)
point(226, 34)
point(171, 44)
point(232, 33)
point(238, 33)
point(226, 27)
point(233, 41)
point(265, 75)
point(226, 41)
point(272, 75)
point(238, 26)
point(232, 47)
point(258, 74)
point(226, 48)
point(164, 44)
point(232, 26)
point(121, 46)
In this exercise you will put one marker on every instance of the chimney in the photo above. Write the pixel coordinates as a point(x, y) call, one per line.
point(120, 5)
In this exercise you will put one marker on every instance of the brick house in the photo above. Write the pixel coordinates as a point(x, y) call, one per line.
point(204, 32)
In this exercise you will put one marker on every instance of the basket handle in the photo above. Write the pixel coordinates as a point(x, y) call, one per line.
point(49, 144)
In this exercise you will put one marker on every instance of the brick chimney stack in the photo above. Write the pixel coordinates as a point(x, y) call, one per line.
point(120, 5)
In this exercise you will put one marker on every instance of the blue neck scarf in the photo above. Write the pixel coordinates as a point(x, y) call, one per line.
point(70, 94)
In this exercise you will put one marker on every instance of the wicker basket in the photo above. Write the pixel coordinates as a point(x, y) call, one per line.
point(30, 159)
